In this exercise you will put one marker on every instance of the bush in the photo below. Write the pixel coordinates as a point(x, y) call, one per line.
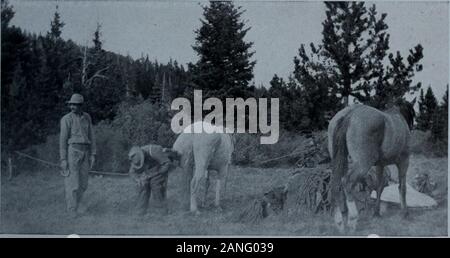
point(144, 123)
point(423, 143)
point(112, 149)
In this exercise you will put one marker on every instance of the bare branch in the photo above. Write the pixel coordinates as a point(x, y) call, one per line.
point(97, 75)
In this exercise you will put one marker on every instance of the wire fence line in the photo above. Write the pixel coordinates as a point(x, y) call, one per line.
point(106, 173)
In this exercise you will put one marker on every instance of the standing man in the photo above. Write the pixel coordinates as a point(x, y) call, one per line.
point(77, 152)
point(149, 169)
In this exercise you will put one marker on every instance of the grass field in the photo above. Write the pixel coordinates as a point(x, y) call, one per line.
point(33, 203)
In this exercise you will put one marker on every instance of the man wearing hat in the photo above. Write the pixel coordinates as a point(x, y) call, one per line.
point(149, 168)
point(77, 153)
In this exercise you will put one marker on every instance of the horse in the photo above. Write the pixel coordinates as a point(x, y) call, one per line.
point(371, 138)
point(200, 153)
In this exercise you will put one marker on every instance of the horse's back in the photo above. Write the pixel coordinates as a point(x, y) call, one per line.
point(371, 133)
point(212, 149)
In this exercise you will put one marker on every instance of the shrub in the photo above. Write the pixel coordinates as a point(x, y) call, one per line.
point(144, 123)
point(423, 143)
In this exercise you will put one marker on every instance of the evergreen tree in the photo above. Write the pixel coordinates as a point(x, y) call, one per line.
point(279, 89)
point(427, 108)
point(56, 26)
point(397, 80)
point(102, 94)
point(24, 121)
point(7, 14)
point(51, 93)
point(439, 121)
point(97, 42)
point(14, 60)
point(421, 124)
point(224, 68)
point(350, 59)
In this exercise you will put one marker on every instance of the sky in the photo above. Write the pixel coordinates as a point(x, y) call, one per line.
point(164, 30)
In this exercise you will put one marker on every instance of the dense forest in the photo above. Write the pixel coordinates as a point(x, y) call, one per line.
point(353, 62)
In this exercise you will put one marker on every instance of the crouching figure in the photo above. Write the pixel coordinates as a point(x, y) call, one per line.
point(149, 169)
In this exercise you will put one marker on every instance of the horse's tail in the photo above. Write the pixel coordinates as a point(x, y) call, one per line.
point(339, 161)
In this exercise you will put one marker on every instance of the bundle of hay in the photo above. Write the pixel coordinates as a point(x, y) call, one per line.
point(309, 189)
point(253, 213)
point(261, 207)
point(423, 183)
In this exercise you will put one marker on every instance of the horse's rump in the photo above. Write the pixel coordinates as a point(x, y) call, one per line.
point(201, 152)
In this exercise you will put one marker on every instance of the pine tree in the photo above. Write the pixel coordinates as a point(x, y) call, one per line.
point(427, 108)
point(397, 79)
point(350, 59)
point(7, 14)
point(102, 93)
point(56, 26)
point(23, 121)
point(354, 43)
point(224, 68)
point(51, 94)
point(421, 124)
point(439, 120)
point(97, 42)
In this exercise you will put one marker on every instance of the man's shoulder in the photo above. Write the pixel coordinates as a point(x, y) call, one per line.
point(87, 116)
point(67, 117)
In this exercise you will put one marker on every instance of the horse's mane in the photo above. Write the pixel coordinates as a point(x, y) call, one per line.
point(406, 109)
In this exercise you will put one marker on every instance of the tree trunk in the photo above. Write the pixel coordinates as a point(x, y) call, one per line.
point(345, 99)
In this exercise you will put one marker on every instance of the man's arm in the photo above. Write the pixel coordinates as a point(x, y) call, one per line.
point(92, 137)
point(134, 175)
point(165, 167)
point(63, 138)
point(157, 152)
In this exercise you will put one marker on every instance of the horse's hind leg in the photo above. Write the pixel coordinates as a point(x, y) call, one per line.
point(380, 187)
point(402, 169)
point(199, 173)
point(338, 202)
point(194, 192)
point(222, 173)
point(356, 173)
point(205, 195)
point(339, 219)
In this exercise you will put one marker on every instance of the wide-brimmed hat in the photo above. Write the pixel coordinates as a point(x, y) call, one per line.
point(76, 99)
point(136, 151)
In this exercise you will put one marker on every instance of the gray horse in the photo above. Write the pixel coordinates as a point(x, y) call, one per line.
point(371, 138)
point(200, 153)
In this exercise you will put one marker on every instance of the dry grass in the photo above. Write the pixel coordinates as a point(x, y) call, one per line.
point(33, 203)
